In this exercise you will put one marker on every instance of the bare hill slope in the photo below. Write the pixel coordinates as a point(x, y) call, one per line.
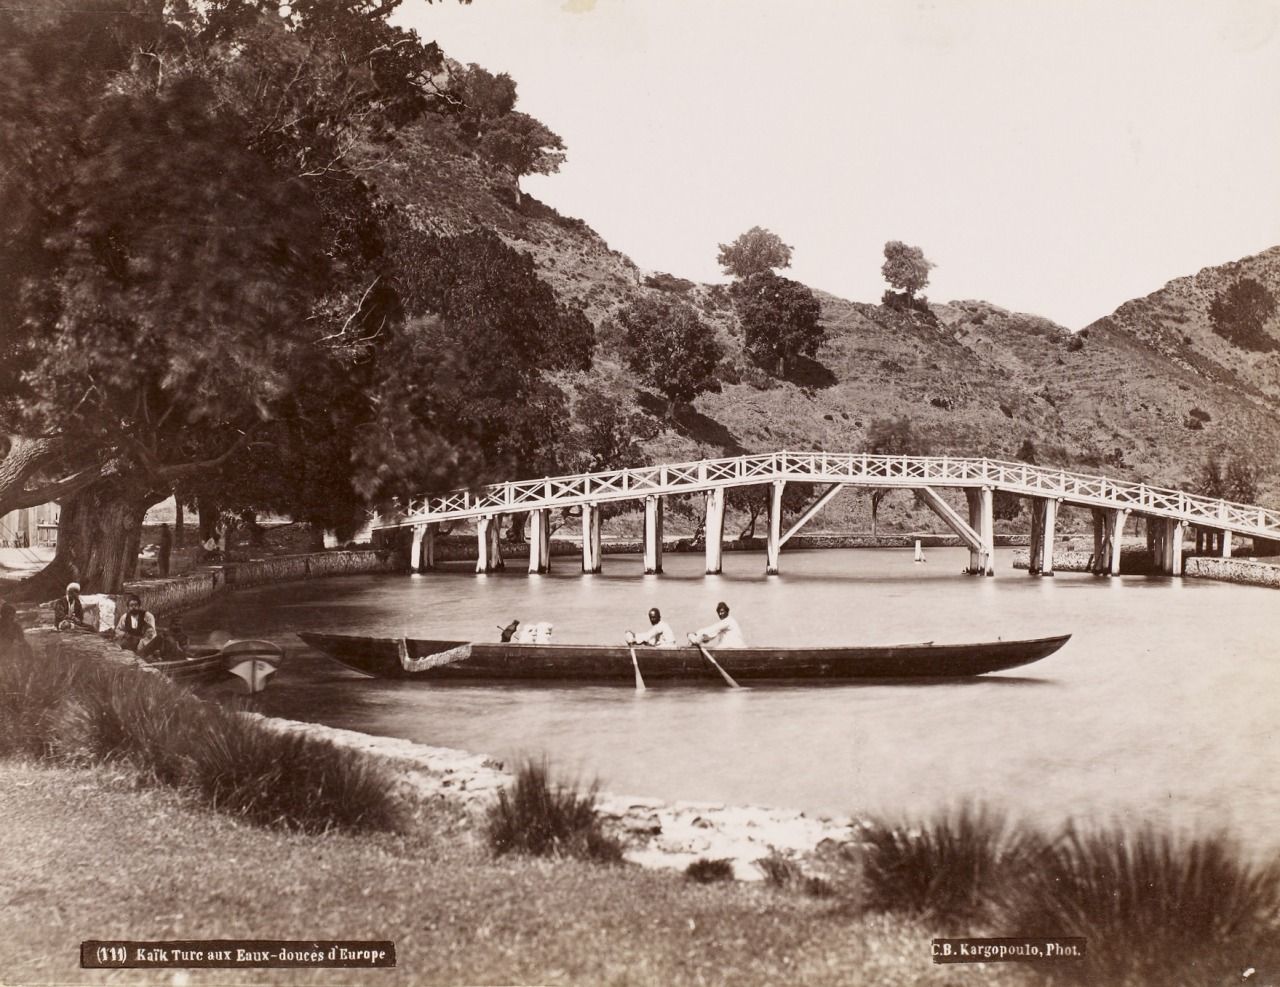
point(1148, 393)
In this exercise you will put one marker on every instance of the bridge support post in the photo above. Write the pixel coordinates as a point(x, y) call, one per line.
point(1108, 534)
point(1044, 518)
point(415, 550)
point(1049, 534)
point(539, 541)
point(1116, 520)
point(1226, 544)
point(429, 548)
point(982, 520)
point(773, 544)
point(1176, 531)
point(1157, 543)
point(652, 534)
point(714, 530)
point(590, 538)
point(484, 543)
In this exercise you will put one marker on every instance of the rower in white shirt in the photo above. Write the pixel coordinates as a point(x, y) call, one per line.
point(659, 634)
point(724, 633)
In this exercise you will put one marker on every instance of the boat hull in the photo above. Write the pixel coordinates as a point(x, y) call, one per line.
point(460, 661)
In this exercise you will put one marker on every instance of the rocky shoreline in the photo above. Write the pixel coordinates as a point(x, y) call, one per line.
point(655, 833)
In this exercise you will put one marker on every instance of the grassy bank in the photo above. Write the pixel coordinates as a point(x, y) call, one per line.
point(85, 853)
point(80, 708)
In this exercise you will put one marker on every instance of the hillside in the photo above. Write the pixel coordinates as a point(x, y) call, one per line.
point(1148, 393)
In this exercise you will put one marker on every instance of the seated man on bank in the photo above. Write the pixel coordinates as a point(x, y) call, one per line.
point(659, 634)
point(724, 633)
point(68, 611)
point(136, 629)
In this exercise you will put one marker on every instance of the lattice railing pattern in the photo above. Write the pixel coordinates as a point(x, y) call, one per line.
point(856, 469)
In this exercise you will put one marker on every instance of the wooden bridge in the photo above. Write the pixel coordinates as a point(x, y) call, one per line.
point(1168, 512)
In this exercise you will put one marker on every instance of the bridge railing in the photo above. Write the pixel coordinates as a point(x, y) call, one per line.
point(830, 467)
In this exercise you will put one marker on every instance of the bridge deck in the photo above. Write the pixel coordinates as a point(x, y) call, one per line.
point(854, 469)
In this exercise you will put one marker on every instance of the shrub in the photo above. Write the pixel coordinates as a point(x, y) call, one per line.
point(669, 282)
point(285, 779)
point(707, 871)
point(954, 869)
point(1150, 904)
point(783, 872)
point(1075, 343)
point(780, 871)
point(84, 711)
point(536, 817)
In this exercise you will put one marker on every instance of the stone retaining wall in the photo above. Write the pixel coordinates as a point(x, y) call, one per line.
point(1245, 571)
point(1134, 560)
point(166, 597)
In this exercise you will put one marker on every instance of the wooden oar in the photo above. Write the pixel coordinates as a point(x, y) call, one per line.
point(707, 655)
point(636, 665)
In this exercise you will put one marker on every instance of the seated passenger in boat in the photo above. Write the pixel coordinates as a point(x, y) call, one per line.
point(659, 634)
point(539, 633)
point(724, 633)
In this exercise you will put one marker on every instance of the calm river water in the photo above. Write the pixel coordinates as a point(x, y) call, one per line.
point(1162, 708)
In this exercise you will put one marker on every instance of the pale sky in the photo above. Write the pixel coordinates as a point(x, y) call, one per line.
point(1051, 156)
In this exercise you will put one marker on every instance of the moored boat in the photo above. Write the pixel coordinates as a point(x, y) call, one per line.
point(251, 662)
point(438, 660)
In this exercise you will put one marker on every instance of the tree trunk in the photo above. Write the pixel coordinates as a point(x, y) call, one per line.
point(257, 534)
point(179, 522)
point(876, 495)
point(99, 532)
point(208, 518)
point(515, 534)
point(315, 540)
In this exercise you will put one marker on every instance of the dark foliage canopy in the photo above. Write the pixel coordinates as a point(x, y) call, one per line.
point(779, 319)
point(1240, 313)
point(670, 347)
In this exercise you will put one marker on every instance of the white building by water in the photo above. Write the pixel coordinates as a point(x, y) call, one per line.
point(30, 526)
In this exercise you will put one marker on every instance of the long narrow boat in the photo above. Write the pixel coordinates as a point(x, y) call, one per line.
point(460, 660)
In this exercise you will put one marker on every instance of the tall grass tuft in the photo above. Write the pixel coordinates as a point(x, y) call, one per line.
point(710, 871)
point(537, 817)
point(288, 780)
point(954, 869)
point(1151, 904)
point(82, 711)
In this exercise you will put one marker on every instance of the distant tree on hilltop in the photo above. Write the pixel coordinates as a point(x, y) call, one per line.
point(905, 268)
point(671, 349)
point(1240, 314)
point(755, 252)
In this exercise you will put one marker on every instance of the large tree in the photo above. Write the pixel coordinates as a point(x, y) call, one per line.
point(670, 347)
point(779, 319)
point(182, 234)
point(754, 252)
